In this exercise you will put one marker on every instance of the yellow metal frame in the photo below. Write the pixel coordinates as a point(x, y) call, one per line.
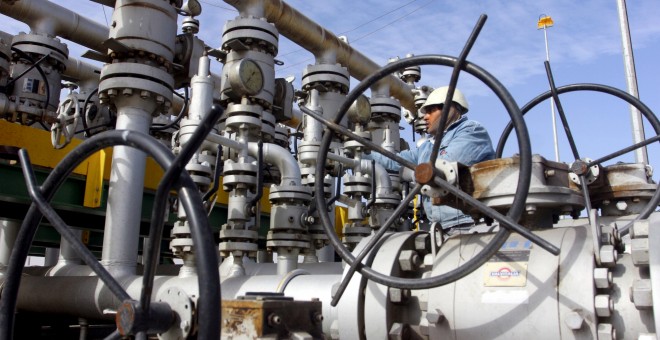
point(96, 169)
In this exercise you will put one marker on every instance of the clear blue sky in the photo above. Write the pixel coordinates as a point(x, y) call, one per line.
point(585, 47)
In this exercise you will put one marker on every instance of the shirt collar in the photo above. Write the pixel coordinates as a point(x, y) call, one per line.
point(452, 126)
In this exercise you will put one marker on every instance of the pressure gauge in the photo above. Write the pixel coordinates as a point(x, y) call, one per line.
point(246, 77)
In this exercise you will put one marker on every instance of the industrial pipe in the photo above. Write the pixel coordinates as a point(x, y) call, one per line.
point(282, 159)
point(316, 39)
point(45, 17)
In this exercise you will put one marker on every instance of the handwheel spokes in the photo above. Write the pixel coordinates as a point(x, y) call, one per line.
point(624, 151)
point(560, 110)
point(514, 213)
point(633, 101)
point(460, 62)
point(372, 242)
point(367, 143)
point(65, 231)
point(207, 308)
point(506, 221)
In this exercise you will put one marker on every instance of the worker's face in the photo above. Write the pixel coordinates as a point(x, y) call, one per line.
point(432, 118)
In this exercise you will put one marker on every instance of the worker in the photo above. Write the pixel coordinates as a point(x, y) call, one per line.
point(464, 141)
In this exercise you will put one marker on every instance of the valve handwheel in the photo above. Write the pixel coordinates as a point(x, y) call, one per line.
point(507, 221)
point(581, 165)
point(65, 126)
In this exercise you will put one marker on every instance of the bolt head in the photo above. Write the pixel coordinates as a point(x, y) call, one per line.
point(641, 294)
point(112, 93)
point(602, 278)
point(606, 332)
point(409, 260)
point(397, 295)
point(640, 229)
point(145, 94)
point(435, 317)
point(127, 92)
point(640, 251)
point(608, 256)
point(603, 305)
point(399, 331)
point(621, 205)
point(574, 320)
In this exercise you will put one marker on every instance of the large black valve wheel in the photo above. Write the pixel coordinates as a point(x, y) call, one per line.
point(134, 317)
point(645, 110)
point(508, 221)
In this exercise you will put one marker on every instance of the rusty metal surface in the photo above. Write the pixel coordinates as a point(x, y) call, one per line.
point(551, 193)
point(278, 317)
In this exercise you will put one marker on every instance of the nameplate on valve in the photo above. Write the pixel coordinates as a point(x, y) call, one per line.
point(508, 267)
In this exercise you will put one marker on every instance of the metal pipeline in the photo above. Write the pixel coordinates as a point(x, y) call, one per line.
point(45, 17)
point(86, 75)
point(282, 159)
point(383, 181)
point(124, 208)
point(316, 39)
point(8, 232)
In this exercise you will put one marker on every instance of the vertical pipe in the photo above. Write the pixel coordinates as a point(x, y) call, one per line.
point(641, 155)
point(8, 233)
point(51, 256)
point(122, 222)
point(67, 254)
point(287, 261)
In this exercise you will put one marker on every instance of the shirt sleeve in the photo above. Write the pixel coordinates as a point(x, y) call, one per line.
point(389, 164)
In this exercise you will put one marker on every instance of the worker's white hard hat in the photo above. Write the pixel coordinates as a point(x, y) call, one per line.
point(438, 96)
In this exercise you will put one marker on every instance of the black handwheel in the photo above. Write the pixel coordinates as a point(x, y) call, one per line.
point(208, 303)
point(645, 110)
point(512, 216)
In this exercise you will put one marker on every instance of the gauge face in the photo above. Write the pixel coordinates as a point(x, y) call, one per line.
point(246, 77)
point(193, 8)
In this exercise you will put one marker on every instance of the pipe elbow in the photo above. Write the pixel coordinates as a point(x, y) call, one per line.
point(282, 159)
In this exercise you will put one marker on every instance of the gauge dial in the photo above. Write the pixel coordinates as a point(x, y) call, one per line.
point(246, 77)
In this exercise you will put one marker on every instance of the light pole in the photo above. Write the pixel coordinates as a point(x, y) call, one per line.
point(543, 23)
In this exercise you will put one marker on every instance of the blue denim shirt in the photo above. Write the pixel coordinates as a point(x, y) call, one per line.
point(465, 141)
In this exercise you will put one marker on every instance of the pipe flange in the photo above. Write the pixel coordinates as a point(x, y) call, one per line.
point(250, 33)
point(240, 115)
point(281, 136)
point(290, 193)
point(238, 234)
point(267, 126)
point(201, 169)
point(228, 247)
point(42, 45)
point(333, 77)
point(362, 190)
point(182, 305)
point(132, 79)
point(386, 107)
point(388, 199)
point(273, 245)
point(242, 167)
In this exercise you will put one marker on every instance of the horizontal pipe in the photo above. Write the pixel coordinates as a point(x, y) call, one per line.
point(343, 160)
point(86, 296)
point(224, 141)
point(45, 17)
